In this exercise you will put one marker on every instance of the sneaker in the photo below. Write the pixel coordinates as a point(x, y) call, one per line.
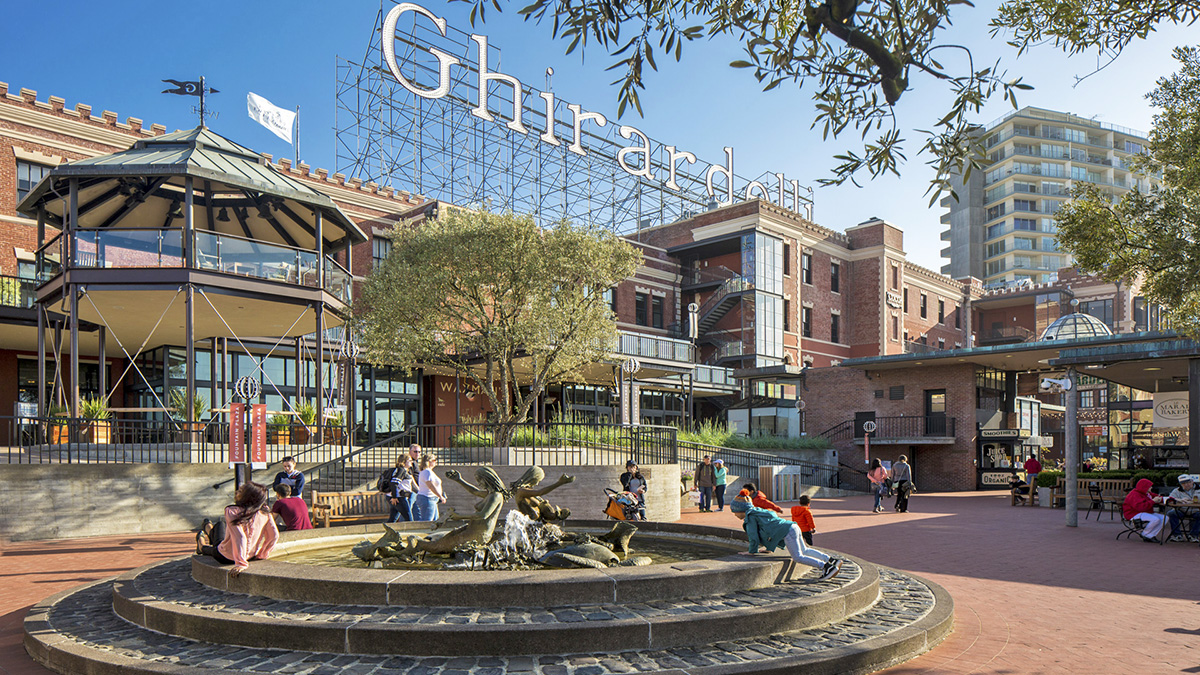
point(1178, 537)
point(830, 570)
point(1192, 539)
point(1148, 540)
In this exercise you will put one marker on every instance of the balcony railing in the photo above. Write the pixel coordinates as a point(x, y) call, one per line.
point(1005, 335)
point(17, 292)
point(916, 426)
point(223, 253)
point(655, 347)
point(715, 375)
point(921, 348)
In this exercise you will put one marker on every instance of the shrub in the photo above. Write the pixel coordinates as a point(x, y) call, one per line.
point(715, 433)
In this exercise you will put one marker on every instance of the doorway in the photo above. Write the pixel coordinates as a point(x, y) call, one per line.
point(935, 412)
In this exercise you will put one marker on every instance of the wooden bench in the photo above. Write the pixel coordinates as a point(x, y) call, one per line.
point(1115, 488)
point(336, 507)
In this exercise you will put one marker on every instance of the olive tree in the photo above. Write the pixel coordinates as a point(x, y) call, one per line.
point(495, 299)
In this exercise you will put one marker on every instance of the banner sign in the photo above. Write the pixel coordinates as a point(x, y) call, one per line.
point(997, 478)
point(1170, 409)
point(237, 433)
point(258, 436)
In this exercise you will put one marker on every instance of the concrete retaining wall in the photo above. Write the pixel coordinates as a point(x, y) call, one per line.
point(53, 501)
point(585, 497)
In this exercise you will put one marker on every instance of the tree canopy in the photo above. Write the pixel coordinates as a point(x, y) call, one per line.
point(858, 56)
point(496, 299)
point(1154, 235)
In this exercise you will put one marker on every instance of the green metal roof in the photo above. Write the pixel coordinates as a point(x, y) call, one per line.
point(199, 153)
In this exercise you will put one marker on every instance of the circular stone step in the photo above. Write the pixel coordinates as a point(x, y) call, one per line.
point(77, 632)
point(163, 598)
point(281, 580)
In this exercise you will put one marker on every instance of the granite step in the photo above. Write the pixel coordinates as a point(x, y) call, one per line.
point(77, 631)
point(164, 598)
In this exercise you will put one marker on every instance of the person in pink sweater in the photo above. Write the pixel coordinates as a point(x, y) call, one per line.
point(247, 532)
point(1139, 505)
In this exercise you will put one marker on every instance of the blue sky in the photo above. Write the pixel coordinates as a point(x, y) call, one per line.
point(113, 55)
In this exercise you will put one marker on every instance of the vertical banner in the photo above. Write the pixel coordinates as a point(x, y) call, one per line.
point(237, 433)
point(258, 436)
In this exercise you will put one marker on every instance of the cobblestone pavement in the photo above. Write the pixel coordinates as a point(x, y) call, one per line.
point(87, 618)
point(171, 582)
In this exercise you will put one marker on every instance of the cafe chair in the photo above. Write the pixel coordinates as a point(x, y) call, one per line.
point(1100, 504)
point(1132, 527)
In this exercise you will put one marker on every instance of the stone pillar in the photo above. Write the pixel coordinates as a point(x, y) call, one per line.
point(1193, 415)
point(1072, 450)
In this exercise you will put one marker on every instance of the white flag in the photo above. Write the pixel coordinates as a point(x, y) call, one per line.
point(278, 120)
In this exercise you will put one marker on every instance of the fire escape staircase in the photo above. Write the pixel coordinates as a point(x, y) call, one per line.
point(721, 301)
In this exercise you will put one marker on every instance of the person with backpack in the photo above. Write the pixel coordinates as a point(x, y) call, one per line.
point(396, 483)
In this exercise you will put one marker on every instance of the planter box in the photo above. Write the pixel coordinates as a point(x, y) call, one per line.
point(334, 434)
point(301, 434)
point(59, 433)
point(97, 431)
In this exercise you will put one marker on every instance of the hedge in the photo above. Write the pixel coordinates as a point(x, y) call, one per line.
point(1160, 477)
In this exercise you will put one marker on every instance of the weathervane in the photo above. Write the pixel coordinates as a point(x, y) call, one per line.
point(186, 88)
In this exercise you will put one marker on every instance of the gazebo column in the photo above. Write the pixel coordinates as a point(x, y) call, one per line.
point(102, 368)
point(73, 298)
point(189, 331)
point(41, 360)
point(320, 361)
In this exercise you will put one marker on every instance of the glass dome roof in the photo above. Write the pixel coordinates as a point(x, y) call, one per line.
point(1076, 327)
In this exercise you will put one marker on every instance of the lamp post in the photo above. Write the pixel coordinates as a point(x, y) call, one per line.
point(629, 367)
point(246, 388)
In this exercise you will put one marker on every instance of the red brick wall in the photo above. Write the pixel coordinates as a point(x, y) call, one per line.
point(836, 394)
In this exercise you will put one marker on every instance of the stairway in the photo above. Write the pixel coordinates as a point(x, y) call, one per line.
point(729, 614)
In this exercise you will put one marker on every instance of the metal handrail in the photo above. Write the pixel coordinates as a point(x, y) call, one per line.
point(735, 284)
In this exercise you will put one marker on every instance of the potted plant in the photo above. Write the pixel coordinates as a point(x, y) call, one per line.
point(335, 427)
point(277, 430)
point(58, 424)
point(179, 407)
point(306, 414)
point(97, 428)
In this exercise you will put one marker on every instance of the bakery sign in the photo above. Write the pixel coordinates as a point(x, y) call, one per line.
point(1170, 409)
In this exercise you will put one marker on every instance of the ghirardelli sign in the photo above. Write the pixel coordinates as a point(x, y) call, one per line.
point(1171, 409)
point(658, 163)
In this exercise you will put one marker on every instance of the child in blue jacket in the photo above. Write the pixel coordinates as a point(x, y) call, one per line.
point(765, 528)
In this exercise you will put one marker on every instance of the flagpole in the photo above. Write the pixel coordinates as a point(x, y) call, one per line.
point(296, 144)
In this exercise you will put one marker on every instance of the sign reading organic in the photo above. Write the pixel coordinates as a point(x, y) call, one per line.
point(1170, 409)
point(642, 159)
point(995, 478)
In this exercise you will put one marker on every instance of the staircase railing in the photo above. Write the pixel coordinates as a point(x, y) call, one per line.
point(838, 433)
point(745, 463)
point(735, 284)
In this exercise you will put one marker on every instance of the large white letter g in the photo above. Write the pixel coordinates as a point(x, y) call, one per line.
point(388, 35)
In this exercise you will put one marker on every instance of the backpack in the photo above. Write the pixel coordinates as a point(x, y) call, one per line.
point(384, 483)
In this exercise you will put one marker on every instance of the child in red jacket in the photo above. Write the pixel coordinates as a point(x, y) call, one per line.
point(759, 500)
point(802, 516)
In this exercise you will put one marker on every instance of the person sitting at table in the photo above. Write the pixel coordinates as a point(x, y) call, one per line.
point(1185, 493)
point(1139, 505)
point(1020, 486)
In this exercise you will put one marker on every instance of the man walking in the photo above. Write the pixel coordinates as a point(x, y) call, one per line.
point(706, 480)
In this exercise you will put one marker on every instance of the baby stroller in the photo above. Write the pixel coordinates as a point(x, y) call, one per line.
point(621, 505)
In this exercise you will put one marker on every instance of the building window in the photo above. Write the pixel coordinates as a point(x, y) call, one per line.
point(924, 306)
point(787, 260)
point(906, 301)
point(28, 175)
point(806, 322)
point(941, 311)
point(941, 343)
point(787, 315)
point(957, 317)
point(806, 267)
point(896, 393)
point(380, 248)
point(896, 277)
point(895, 328)
point(656, 311)
point(641, 314)
point(610, 298)
point(834, 320)
point(835, 278)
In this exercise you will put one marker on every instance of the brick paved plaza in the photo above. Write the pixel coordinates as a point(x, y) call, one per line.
point(1031, 596)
